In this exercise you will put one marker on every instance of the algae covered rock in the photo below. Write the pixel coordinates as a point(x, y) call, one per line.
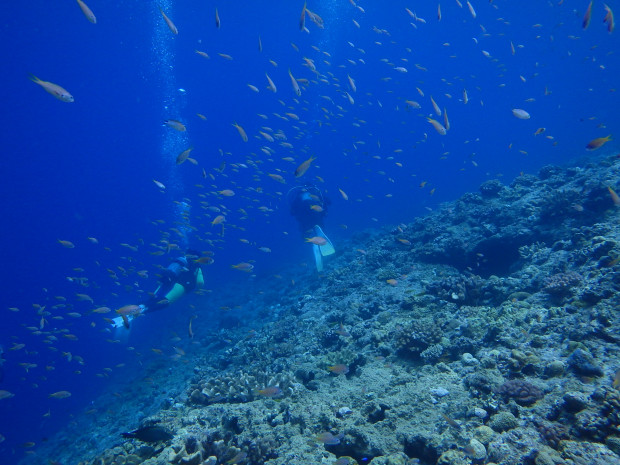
point(503, 421)
point(398, 458)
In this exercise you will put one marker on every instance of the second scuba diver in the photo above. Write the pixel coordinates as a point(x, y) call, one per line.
point(309, 207)
point(182, 276)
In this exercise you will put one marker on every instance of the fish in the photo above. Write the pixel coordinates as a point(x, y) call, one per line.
point(520, 113)
point(294, 84)
point(339, 369)
point(87, 12)
point(471, 9)
point(205, 55)
point(174, 124)
point(54, 89)
point(170, 24)
point(183, 155)
point(190, 331)
point(301, 169)
point(302, 19)
point(316, 19)
point(6, 394)
point(316, 208)
point(102, 310)
point(270, 391)
point(149, 434)
point(446, 121)
point(437, 125)
point(351, 83)
point(449, 420)
point(60, 395)
point(277, 177)
point(609, 19)
point(328, 438)
point(587, 16)
point(247, 267)
point(159, 184)
point(343, 194)
point(597, 143)
point(241, 131)
point(391, 282)
point(129, 310)
point(435, 107)
point(614, 197)
point(218, 219)
point(217, 19)
point(226, 192)
point(272, 87)
point(317, 240)
point(238, 458)
point(66, 244)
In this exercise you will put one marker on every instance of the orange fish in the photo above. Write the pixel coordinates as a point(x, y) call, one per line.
point(597, 143)
point(184, 155)
point(609, 19)
point(316, 208)
point(317, 240)
point(218, 219)
point(270, 391)
point(170, 24)
point(301, 169)
point(614, 196)
point(247, 267)
point(437, 125)
point(87, 12)
point(241, 131)
point(587, 16)
point(129, 310)
point(339, 369)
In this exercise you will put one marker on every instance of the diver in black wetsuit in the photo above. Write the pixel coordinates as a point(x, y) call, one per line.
point(182, 276)
point(309, 206)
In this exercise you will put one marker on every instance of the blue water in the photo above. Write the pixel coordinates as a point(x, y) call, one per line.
point(76, 170)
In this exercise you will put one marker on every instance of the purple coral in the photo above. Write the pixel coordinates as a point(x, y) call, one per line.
point(561, 283)
point(521, 391)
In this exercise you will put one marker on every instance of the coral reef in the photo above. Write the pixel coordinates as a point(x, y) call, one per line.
point(496, 341)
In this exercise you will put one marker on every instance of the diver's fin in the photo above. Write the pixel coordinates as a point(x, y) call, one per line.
point(327, 248)
point(318, 258)
point(118, 322)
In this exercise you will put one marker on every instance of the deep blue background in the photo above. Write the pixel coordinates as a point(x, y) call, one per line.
point(70, 171)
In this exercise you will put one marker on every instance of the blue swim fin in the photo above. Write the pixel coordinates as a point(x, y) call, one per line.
point(318, 258)
point(327, 248)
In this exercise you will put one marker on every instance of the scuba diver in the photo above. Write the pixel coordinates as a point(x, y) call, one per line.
point(182, 276)
point(309, 207)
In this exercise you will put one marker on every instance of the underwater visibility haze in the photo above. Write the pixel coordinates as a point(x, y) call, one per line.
point(434, 138)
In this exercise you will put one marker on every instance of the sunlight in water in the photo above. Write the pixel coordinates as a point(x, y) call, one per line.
point(173, 102)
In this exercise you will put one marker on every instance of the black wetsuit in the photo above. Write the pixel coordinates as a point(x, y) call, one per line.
point(308, 207)
point(181, 271)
